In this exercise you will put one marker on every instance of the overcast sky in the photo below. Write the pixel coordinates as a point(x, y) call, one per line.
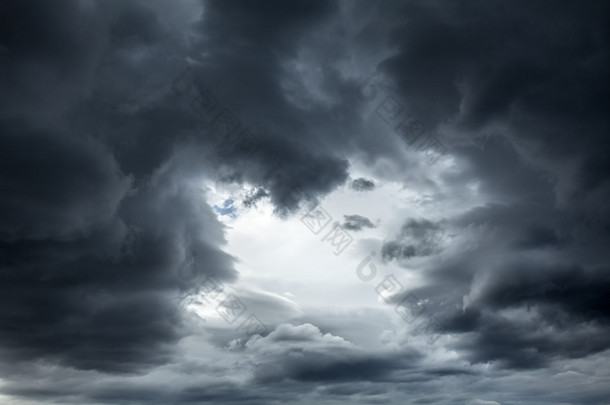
point(299, 202)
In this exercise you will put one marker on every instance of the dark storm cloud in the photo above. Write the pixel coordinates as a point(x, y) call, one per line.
point(520, 315)
point(248, 63)
point(98, 157)
point(254, 196)
point(570, 290)
point(526, 344)
point(88, 260)
point(522, 227)
point(504, 304)
point(99, 297)
point(356, 222)
point(48, 50)
point(536, 77)
point(363, 184)
point(543, 103)
point(418, 237)
point(96, 221)
point(45, 196)
point(324, 357)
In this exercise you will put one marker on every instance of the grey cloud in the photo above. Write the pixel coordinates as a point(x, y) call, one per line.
point(363, 184)
point(498, 75)
point(571, 290)
point(43, 169)
point(418, 237)
point(254, 196)
point(80, 241)
point(99, 158)
point(356, 222)
point(522, 316)
point(107, 291)
point(324, 357)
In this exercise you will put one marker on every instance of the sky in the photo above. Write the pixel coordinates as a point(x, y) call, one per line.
point(299, 202)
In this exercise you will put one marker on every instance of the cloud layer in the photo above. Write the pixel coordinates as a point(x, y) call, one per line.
point(464, 143)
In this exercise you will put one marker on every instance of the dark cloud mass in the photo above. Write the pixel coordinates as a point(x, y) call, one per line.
point(150, 151)
point(418, 237)
point(362, 184)
point(357, 222)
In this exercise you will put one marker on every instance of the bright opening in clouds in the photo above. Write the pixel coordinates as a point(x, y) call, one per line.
point(299, 202)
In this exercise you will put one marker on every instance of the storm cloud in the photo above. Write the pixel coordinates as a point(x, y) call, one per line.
point(192, 191)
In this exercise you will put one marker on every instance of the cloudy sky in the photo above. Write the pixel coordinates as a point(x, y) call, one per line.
point(330, 202)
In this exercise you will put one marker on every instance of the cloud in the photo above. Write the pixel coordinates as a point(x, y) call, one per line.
point(446, 69)
point(40, 184)
point(105, 289)
point(120, 118)
point(418, 237)
point(483, 402)
point(356, 222)
point(303, 353)
point(362, 184)
point(100, 212)
point(254, 196)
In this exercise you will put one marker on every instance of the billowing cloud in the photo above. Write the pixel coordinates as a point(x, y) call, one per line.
point(356, 222)
point(460, 148)
point(362, 184)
